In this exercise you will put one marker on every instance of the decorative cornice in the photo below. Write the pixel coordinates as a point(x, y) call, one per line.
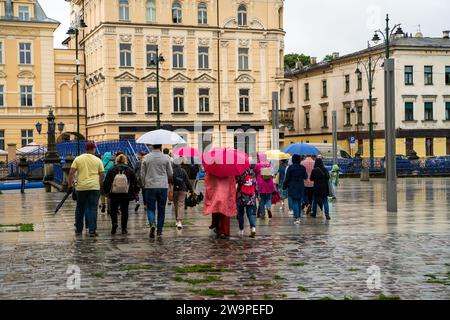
point(245, 78)
point(152, 39)
point(179, 77)
point(126, 76)
point(126, 37)
point(206, 78)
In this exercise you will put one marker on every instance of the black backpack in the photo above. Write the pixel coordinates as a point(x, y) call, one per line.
point(178, 181)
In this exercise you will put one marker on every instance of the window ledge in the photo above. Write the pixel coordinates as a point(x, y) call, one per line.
point(180, 69)
point(324, 97)
point(429, 121)
point(124, 67)
point(205, 69)
point(348, 126)
point(429, 84)
point(179, 113)
point(409, 84)
point(205, 113)
point(153, 113)
point(409, 121)
point(245, 113)
point(244, 70)
point(325, 128)
point(306, 129)
point(127, 113)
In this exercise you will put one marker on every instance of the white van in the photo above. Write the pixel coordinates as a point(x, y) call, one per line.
point(326, 149)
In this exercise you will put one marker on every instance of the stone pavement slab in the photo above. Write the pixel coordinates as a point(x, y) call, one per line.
point(317, 259)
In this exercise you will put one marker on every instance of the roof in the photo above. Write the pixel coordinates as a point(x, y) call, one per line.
point(410, 42)
point(39, 14)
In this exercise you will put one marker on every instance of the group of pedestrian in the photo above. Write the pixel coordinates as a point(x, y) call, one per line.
point(117, 183)
point(163, 180)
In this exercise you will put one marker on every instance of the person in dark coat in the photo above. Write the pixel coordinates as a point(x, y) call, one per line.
point(294, 182)
point(121, 200)
point(320, 177)
point(181, 185)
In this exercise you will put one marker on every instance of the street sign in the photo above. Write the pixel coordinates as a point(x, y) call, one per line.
point(352, 140)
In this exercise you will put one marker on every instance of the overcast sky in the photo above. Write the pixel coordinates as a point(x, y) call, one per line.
point(319, 27)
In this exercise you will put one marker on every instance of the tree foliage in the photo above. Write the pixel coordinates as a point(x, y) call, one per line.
point(291, 59)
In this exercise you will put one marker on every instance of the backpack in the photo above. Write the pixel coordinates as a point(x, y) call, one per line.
point(266, 173)
point(120, 183)
point(247, 185)
point(178, 181)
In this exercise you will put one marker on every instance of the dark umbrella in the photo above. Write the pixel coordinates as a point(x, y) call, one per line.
point(67, 195)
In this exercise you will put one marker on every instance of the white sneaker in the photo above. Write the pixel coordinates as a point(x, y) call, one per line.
point(297, 222)
point(179, 225)
point(253, 233)
point(241, 233)
point(291, 212)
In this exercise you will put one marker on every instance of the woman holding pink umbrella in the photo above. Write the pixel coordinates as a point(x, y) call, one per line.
point(222, 165)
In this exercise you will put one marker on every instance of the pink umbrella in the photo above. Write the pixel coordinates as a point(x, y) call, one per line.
point(225, 162)
point(187, 152)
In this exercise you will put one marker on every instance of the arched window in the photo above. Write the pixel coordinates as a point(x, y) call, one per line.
point(280, 18)
point(242, 15)
point(202, 13)
point(124, 10)
point(177, 13)
point(151, 11)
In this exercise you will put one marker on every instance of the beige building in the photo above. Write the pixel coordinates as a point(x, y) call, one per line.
point(33, 76)
point(422, 82)
point(223, 60)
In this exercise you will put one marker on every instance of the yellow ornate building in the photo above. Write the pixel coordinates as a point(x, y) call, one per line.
point(223, 60)
point(33, 76)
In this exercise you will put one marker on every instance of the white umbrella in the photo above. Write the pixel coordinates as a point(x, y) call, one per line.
point(161, 137)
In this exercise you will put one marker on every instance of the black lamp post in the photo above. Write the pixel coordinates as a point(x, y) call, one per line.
point(155, 63)
point(75, 30)
point(23, 170)
point(51, 155)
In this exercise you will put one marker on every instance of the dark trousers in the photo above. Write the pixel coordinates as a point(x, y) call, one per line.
point(308, 198)
point(123, 204)
point(87, 206)
point(156, 198)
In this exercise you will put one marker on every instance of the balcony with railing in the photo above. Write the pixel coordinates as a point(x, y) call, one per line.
point(286, 118)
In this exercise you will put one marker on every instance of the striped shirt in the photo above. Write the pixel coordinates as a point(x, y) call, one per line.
point(308, 163)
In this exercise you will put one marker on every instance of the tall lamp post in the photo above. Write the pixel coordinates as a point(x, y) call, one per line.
point(389, 93)
point(159, 58)
point(370, 67)
point(75, 30)
point(51, 156)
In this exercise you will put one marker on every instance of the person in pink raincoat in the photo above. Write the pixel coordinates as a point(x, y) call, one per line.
point(220, 202)
point(266, 187)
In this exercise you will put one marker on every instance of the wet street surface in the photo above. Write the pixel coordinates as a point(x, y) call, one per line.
point(361, 253)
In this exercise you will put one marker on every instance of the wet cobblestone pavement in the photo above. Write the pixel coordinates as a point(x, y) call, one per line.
point(317, 259)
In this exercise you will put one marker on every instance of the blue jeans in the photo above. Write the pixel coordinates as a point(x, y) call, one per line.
point(265, 202)
point(296, 205)
point(250, 214)
point(290, 202)
point(87, 206)
point(319, 201)
point(156, 198)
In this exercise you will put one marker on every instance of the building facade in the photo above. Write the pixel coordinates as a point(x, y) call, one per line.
point(222, 61)
point(422, 92)
point(34, 77)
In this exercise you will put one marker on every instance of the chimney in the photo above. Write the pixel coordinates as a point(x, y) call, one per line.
point(313, 60)
point(335, 55)
point(446, 34)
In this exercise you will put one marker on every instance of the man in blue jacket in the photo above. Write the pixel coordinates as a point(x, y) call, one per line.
point(294, 182)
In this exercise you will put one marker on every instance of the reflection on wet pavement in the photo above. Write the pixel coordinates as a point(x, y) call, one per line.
point(325, 258)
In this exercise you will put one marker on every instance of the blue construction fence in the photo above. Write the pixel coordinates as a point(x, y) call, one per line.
point(405, 167)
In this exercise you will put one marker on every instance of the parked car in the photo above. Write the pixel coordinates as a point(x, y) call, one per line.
point(326, 150)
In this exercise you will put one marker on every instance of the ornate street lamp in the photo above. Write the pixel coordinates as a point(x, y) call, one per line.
point(159, 59)
point(390, 136)
point(75, 30)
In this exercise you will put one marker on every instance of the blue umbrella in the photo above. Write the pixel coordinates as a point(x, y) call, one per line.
point(302, 149)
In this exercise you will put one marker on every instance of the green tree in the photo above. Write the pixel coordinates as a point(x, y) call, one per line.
point(291, 59)
point(328, 58)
